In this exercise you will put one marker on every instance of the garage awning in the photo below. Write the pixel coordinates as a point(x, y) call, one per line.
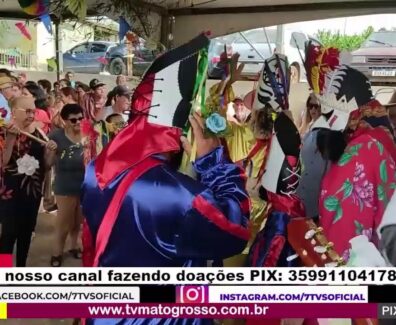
point(227, 16)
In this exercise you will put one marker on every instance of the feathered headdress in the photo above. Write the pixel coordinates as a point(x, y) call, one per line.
point(319, 61)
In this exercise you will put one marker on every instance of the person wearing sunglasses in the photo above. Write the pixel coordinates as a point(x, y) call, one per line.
point(314, 166)
point(311, 114)
point(69, 175)
point(117, 122)
point(25, 162)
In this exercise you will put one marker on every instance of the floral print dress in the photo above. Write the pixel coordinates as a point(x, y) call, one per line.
point(24, 174)
point(21, 196)
point(356, 191)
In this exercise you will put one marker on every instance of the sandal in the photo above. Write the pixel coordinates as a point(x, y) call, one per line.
point(56, 261)
point(76, 253)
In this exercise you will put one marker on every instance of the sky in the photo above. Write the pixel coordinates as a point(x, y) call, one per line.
point(350, 26)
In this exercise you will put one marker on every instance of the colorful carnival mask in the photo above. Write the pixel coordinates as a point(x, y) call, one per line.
point(170, 83)
point(274, 84)
point(160, 108)
point(340, 88)
point(319, 61)
point(345, 91)
point(282, 172)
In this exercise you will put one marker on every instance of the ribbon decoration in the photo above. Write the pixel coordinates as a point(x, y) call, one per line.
point(199, 94)
point(200, 80)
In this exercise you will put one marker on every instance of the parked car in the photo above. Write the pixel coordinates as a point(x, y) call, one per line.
point(117, 58)
point(376, 58)
point(262, 46)
point(236, 43)
point(96, 57)
point(86, 57)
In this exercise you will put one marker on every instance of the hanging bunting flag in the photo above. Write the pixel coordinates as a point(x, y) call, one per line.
point(124, 28)
point(46, 20)
point(52, 64)
point(24, 31)
point(34, 7)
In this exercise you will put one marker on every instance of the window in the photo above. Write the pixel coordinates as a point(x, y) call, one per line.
point(258, 36)
point(381, 39)
point(98, 48)
point(80, 49)
point(255, 36)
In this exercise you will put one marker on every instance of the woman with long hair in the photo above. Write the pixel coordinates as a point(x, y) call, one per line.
point(311, 114)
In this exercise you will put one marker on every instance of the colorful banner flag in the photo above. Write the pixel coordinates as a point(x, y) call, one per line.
point(124, 28)
point(46, 20)
point(52, 64)
point(24, 31)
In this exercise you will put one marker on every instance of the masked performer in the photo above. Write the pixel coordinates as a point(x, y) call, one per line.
point(282, 168)
point(319, 61)
point(190, 221)
point(361, 179)
point(331, 83)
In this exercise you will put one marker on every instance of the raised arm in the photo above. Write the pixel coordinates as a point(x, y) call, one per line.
point(217, 225)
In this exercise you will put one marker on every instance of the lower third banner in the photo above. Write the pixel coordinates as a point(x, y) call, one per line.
point(218, 311)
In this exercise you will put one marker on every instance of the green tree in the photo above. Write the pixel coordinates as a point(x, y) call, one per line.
point(343, 42)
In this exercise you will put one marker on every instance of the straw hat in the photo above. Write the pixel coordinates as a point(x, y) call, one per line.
point(6, 82)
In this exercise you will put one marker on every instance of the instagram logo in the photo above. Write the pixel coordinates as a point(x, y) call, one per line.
point(192, 294)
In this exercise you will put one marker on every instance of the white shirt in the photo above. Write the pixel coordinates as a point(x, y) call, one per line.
point(109, 110)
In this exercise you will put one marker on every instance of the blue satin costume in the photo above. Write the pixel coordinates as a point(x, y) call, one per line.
point(170, 220)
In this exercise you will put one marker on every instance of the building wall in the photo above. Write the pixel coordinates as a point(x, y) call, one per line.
point(13, 44)
point(41, 47)
point(71, 34)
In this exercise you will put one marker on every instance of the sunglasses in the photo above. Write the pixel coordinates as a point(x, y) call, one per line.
point(27, 111)
point(120, 124)
point(315, 106)
point(74, 120)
